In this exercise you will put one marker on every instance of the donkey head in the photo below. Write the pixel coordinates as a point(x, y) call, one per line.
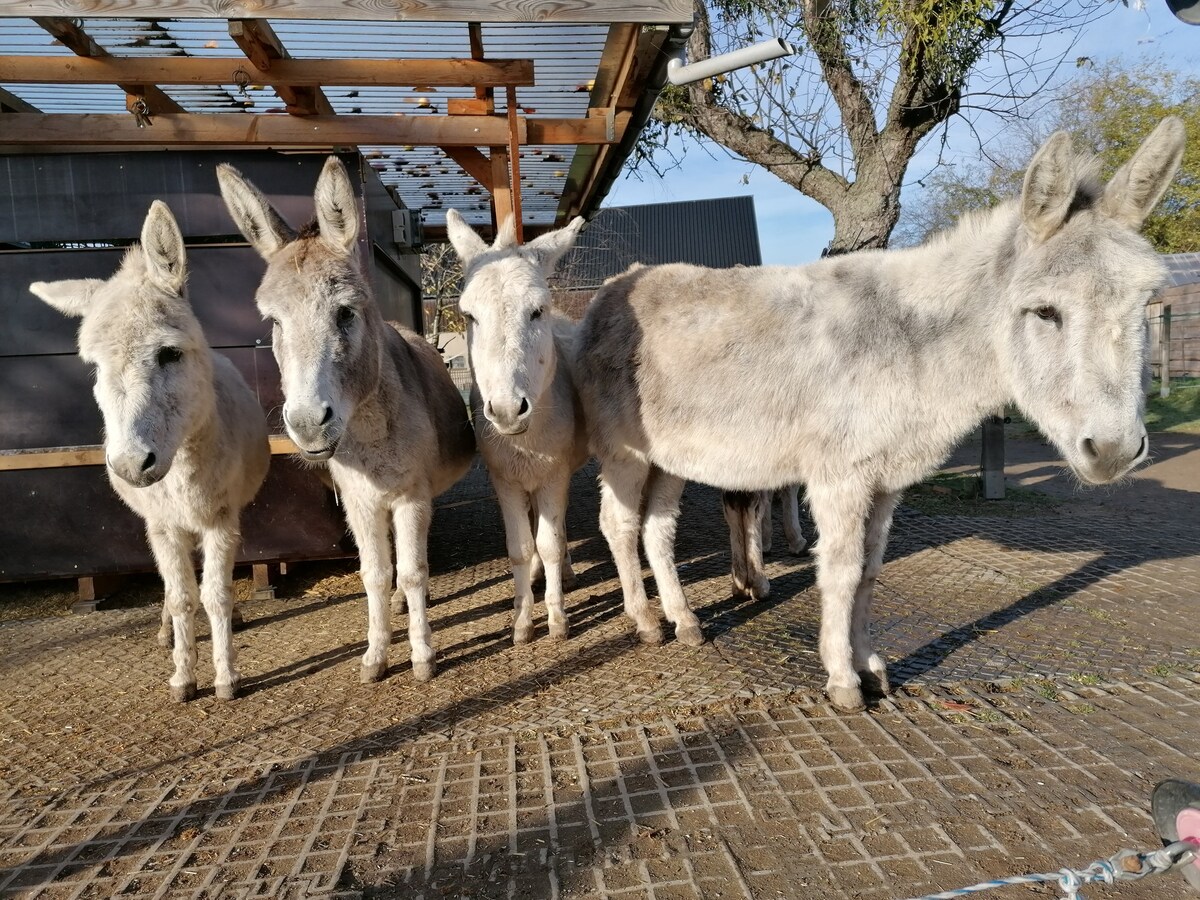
point(327, 335)
point(506, 302)
point(1080, 276)
point(153, 371)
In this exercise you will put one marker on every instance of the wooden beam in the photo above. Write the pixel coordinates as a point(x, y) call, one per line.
point(551, 12)
point(10, 102)
point(475, 36)
point(473, 163)
point(231, 129)
point(263, 48)
point(93, 455)
point(79, 42)
point(143, 70)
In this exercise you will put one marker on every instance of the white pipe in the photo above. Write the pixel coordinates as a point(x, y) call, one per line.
point(678, 73)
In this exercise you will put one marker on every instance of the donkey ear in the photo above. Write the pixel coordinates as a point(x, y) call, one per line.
point(548, 249)
point(506, 236)
point(337, 210)
point(253, 214)
point(463, 238)
point(1050, 184)
point(162, 247)
point(71, 297)
point(1138, 185)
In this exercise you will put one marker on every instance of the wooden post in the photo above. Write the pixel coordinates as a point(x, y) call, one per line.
point(1164, 337)
point(502, 205)
point(93, 590)
point(514, 153)
point(992, 458)
point(261, 576)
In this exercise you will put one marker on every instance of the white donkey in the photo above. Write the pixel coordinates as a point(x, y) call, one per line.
point(185, 440)
point(748, 514)
point(374, 399)
point(726, 377)
point(527, 416)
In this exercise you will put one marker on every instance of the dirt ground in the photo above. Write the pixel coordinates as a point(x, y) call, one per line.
point(1045, 658)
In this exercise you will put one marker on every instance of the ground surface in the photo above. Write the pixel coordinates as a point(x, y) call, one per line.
point(1045, 653)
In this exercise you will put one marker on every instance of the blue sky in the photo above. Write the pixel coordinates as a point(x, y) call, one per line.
point(793, 229)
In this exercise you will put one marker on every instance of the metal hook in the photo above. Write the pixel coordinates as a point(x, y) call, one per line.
point(141, 113)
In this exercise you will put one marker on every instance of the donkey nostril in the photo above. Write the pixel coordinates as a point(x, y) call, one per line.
point(328, 415)
point(1142, 448)
point(1089, 448)
point(148, 462)
point(524, 407)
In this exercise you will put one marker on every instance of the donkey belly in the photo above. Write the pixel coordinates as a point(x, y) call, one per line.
point(741, 457)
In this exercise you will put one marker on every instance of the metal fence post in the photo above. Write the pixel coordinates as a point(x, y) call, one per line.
point(1164, 388)
point(992, 458)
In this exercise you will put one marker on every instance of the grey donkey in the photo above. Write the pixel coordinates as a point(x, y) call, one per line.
point(372, 399)
point(185, 440)
point(528, 419)
point(724, 377)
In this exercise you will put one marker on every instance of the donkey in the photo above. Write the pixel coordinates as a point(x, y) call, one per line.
point(1037, 302)
point(748, 514)
point(526, 410)
point(371, 398)
point(185, 440)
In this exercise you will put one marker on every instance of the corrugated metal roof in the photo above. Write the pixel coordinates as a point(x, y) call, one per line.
point(718, 233)
point(1183, 268)
point(566, 58)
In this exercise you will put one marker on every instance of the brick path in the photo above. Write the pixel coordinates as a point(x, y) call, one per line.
point(1047, 669)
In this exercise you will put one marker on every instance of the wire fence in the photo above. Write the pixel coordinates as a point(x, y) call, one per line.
point(1175, 339)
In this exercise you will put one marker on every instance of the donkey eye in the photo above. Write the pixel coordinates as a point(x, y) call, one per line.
point(537, 313)
point(1047, 313)
point(345, 316)
point(168, 355)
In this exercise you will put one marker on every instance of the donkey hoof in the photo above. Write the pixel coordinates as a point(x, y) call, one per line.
point(236, 622)
point(424, 671)
point(741, 590)
point(874, 684)
point(761, 589)
point(689, 635)
point(522, 634)
point(846, 699)
point(166, 639)
point(372, 672)
point(227, 691)
point(650, 636)
point(399, 603)
point(182, 693)
point(568, 579)
point(558, 631)
point(800, 548)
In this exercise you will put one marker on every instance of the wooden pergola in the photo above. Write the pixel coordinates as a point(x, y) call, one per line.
point(480, 140)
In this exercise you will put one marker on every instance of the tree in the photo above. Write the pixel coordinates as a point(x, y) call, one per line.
point(1109, 109)
point(841, 121)
point(441, 279)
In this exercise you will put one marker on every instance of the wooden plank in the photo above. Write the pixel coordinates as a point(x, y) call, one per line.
point(199, 129)
point(556, 12)
point(475, 37)
point(458, 106)
point(473, 163)
point(74, 38)
point(282, 72)
point(262, 47)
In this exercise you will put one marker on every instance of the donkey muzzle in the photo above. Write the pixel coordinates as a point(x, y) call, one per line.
point(509, 416)
point(140, 468)
point(313, 430)
point(1104, 461)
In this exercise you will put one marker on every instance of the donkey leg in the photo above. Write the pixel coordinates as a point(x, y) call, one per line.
point(410, 517)
point(871, 667)
point(658, 534)
point(756, 575)
point(790, 507)
point(216, 593)
point(514, 507)
point(732, 505)
point(166, 631)
point(840, 510)
point(537, 570)
point(369, 525)
point(172, 549)
point(552, 547)
point(621, 484)
point(766, 527)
